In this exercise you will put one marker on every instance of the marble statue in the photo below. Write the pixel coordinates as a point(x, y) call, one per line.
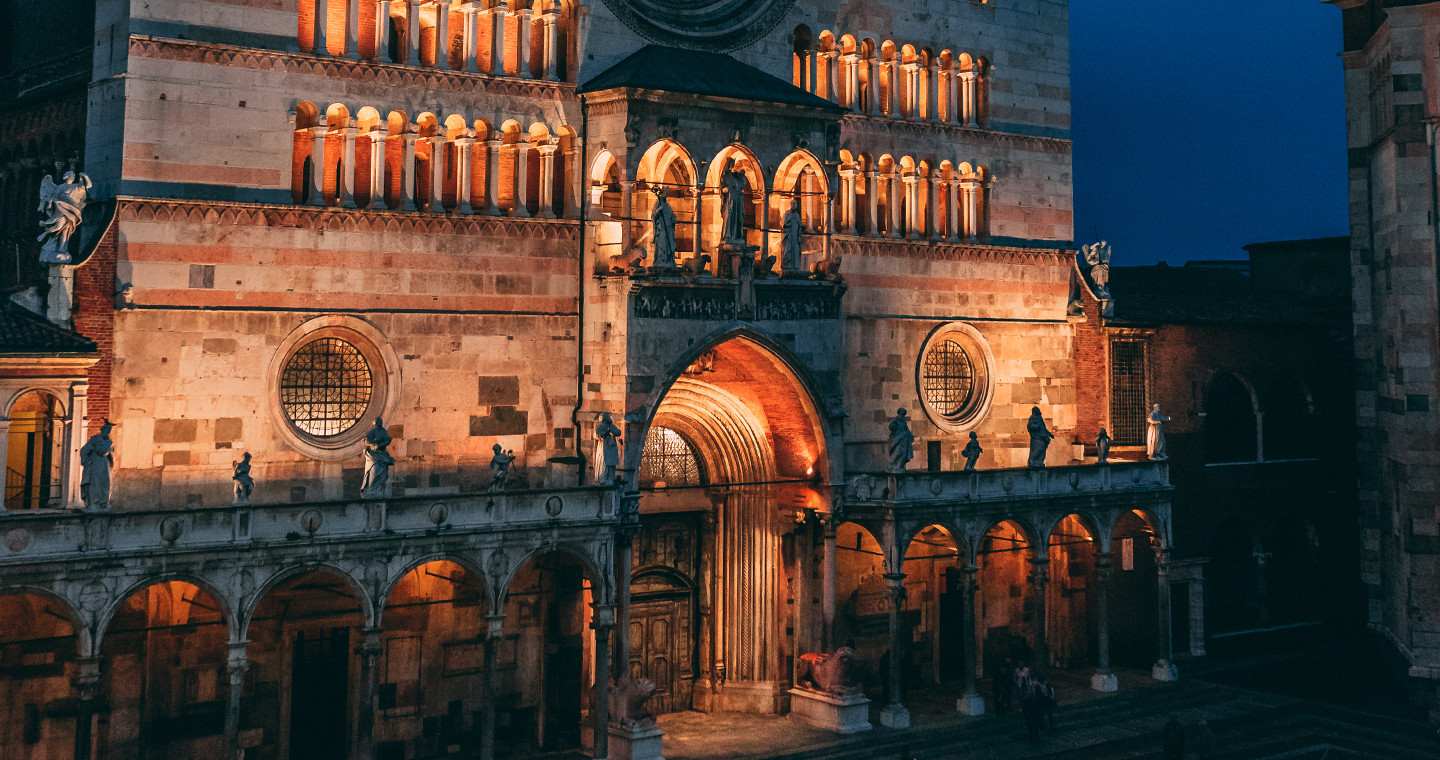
point(627, 703)
point(500, 467)
point(790, 240)
point(902, 441)
point(97, 458)
point(971, 452)
point(732, 204)
point(832, 673)
point(62, 204)
point(663, 221)
point(607, 450)
point(1097, 255)
point(1040, 437)
point(244, 484)
point(377, 462)
point(1102, 446)
point(1155, 435)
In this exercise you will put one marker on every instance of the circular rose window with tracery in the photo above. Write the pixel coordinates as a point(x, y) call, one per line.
point(715, 25)
point(948, 378)
point(954, 377)
point(325, 387)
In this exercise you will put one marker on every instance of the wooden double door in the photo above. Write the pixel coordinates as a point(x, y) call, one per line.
point(663, 608)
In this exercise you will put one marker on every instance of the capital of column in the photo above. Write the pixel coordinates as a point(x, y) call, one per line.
point(87, 680)
point(1039, 569)
point(1103, 563)
point(495, 625)
point(604, 618)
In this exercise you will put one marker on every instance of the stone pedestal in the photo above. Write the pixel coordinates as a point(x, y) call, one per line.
point(849, 714)
point(1104, 682)
point(1165, 671)
point(895, 716)
point(970, 705)
point(636, 742)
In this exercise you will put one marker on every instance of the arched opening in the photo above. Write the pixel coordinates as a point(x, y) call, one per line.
point(307, 117)
point(747, 163)
point(734, 440)
point(427, 158)
point(1006, 597)
point(1230, 408)
point(802, 63)
point(934, 609)
point(862, 604)
point(667, 164)
point(1134, 592)
point(1289, 433)
point(545, 663)
point(800, 177)
point(1072, 609)
point(165, 688)
point(886, 204)
point(397, 124)
point(432, 662)
point(38, 639)
point(303, 686)
point(32, 463)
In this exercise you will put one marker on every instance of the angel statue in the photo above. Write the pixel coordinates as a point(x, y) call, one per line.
point(1097, 255)
point(63, 204)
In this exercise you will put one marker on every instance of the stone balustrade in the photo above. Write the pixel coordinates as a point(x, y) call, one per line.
point(920, 488)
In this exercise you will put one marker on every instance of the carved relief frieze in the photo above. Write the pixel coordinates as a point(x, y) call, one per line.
point(797, 303)
point(942, 251)
point(683, 303)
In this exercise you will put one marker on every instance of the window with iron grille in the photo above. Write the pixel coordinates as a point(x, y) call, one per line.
point(325, 387)
point(1127, 392)
point(669, 458)
point(947, 378)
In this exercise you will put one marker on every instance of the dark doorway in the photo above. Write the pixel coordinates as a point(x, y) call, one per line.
point(952, 626)
point(318, 695)
point(564, 658)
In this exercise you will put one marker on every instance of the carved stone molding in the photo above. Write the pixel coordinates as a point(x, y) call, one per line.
point(859, 246)
point(887, 130)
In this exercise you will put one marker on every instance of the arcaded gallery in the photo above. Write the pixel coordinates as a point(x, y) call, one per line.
point(424, 379)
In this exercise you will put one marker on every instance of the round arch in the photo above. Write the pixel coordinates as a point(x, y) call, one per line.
point(227, 614)
point(84, 637)
point(465, 564)
point(367, 604)
point(600, 582)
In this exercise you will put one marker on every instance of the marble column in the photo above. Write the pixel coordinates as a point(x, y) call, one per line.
point(952, 212)
point(932, 211)
point(494, 631)
point(955, 91)
point(971, 190)
point(318, 44)
point(897, 191)
point(932, 111)
point(4, 452)
point(352, 29)
point(547, 180)
point(317, 166)
point(627, 190)
point(377, 170)
point(347, 170)
point(79, 408)
point(437, 175)
point(847, 201)
point(894, 714)
point(912, 206)
point(892, 72)
point(236, 663)
point(603, 622)
point(462, 174)
point(470, 37)
point(851, 67)
point(1164, 669)
point(967, 88)
point(412, 33)
point(382, 31)
point(571, 176)
point(1040, 577)
point(442, 34)
point(407, 173)
point(522, 44)
point(872, 96)
point(522, 178)
point(497, 39)
point(827, 75)
point(970, 701)
point(624, 563)
point(87, 687)
point(369, 650)
point(552, 37)
point(872, 194)
point(1104, 678)
point(827, 589)
point(912, 91)
point(492, 177)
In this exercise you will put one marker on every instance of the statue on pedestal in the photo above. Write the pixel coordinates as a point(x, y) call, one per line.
point(62, 204)
point(1097, 255)
point(378, 461)
point(97, 459)
point(1155, 435)
point(902, 441)
point(1040, 437)
point(790, 240)
point(500, 467)
point(607, 450)
point(1102, 446)
point(662, 219)
point(732, 204)
point(971, 452)
point(244, 484)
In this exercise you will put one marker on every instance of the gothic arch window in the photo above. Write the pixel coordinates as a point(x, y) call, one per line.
point(669, 460)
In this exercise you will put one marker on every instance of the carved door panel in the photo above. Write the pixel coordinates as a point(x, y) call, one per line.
point(660, 646)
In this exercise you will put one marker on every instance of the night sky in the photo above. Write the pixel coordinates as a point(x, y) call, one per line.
point(1200, 127)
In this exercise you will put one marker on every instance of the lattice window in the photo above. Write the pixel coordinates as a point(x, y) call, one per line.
point(669, 458)
point(948, 378)
point(1127, 392)
point(325, 387)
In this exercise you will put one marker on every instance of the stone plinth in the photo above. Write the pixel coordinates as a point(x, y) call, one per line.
point(895, 716)
point(1104, 682)
point(641, 742)
point(848, 714)
point(970, 705)
point(1165, 671)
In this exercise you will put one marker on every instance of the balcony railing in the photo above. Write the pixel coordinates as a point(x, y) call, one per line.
point(934, 488)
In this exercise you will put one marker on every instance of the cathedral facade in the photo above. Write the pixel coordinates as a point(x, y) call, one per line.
point(435, 369)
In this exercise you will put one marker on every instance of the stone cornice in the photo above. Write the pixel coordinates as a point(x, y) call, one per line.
point(855, 125)
point(353, 220)
point(395, 75)
point(942, 251)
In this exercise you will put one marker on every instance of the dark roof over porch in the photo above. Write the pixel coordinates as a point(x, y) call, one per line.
point(667, 69)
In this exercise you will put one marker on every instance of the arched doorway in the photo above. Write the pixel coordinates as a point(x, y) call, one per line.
point(1073, 610)
point(1134, 592)
point(861, 601)
point(164, 683)
point(934, 574)
point(32, 462)
point(38, 639)
point(734, 443)
point(1007, 597)
point(1230, 409)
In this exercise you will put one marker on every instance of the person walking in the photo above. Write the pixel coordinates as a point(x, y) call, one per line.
point(1031, 708)
point(1001, 686)
point(1046, 694)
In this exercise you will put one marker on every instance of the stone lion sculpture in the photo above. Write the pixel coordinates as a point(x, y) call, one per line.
point(826, 269)
point(627, 702)
point(832, 673)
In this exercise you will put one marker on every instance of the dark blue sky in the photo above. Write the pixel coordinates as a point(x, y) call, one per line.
point(1200, 127)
